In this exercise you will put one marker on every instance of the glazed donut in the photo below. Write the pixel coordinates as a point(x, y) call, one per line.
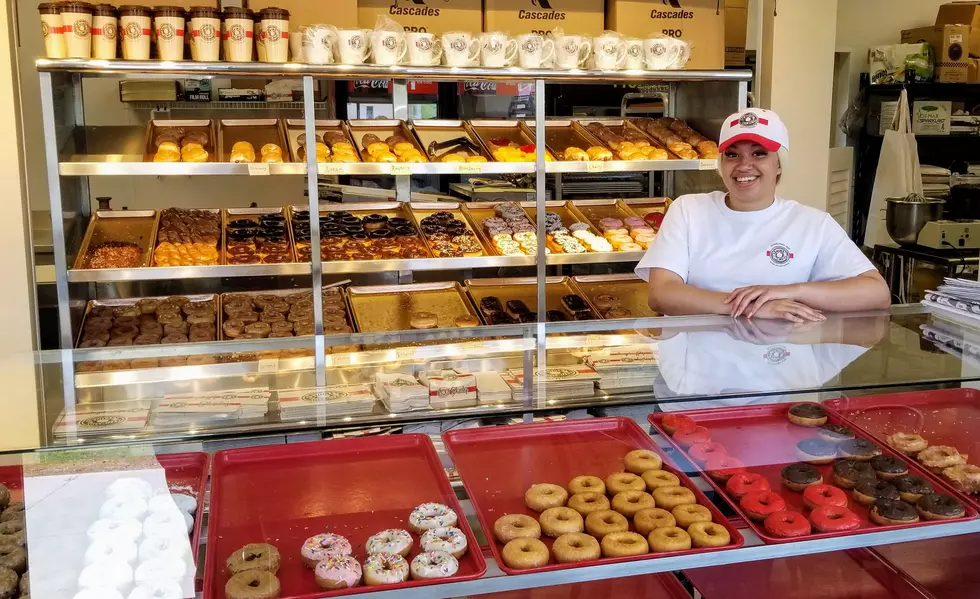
point(654, 479)
point(672, 422)
point(385, 568)
point(521, 554)
point(888, 467)
point(423, 320)
point(935, 506)
point(964, 478)
point(449, 540)
point(939, 457)
point(746, 482)
point(160, 568)
point(575, 547)
point(907, 443)
point(433, 564)
point(599, 524)
point(700, 452)
point(888, 512)
point(670, 497)
point(786, 524)
point(650, 519)
point(639, 461)
point(621, 544)
point(669, 538)
point(254, 556)
point(516, 526)
point(431, 515)
point(859, 449)
point(723, 467)
point(868, 490)
point(164, 546)
point(834, 518)
point(252, 584)
point(392, 540)
point(586, 503)
point(757, 505)
point(157, 589)
point(709, 534)
point(816, 496)
point(557, 521)
point(807, 414)
point(911, 488)
point(114, 529)
point(111, 549)
point(113, 575)
point(545, 495)
point(120, 507)
point(689, 435)
point(689, 513)
point(625, 481)
point(629, 503)
point(319, 547)
point(337, 571)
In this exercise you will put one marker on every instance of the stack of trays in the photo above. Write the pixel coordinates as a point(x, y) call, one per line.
point(401, 392)
point(327, 402)
point(625, 368)
point(561, 382)
point(202, 408)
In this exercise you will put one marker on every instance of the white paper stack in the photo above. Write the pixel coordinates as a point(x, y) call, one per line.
point(102, 419)
point(958, 296)
point(450, 388)
point(625, 368)
point(328, 402)
point(560, 382)
point(401, 392)
point(492, 388)
point(195, 408)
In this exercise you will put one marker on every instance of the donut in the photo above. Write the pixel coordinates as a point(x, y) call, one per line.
point(14, 557)
point(121, 507)
point(621, 544)
point(160, 568)
point(423, 320)
point(835, 433)
point(431, 515)
point(113, 550)
point(557, 521)
point(337, 571)
point(868, 490)
point(672, 422)
point(847, 473)
point(625, 481)
point(807, 414)
point(746, 482)
point(516, 526)
point(669, 538)
point(964, 478)
point(319, 547)
point(799, 476)
point(939, 457)
point(935, 506)
point(639, 461)
point(586, 484)
point(545, 495)
point(433, 564)
point(254, 556)
point(14, 511)
point(706, 534)
point(689, 435)
point(816, 496)
point(113, 529)
point(113, 575)
point(157, 589)
point(787, 524)
point(628, 503)
point(392, 540)
point(650, 519)
point(8, 587)
point(687, 514)
point(816, 451)
point(521, 554)
point(654, 479)
point(164, 546)
point(168, 523)
point(599, 524)
point(888, 467)
point(700, 452)
point(858, 449)
point(723, 467)
point(252, 584)
point(586, 503)
point(575, 547)
point(911, 488)
point(25, 584)
point(385, 568)
point(670, 497)
point(834, 518)
point(449, 540)
point(889, 512)
point(907, 443)
point(130, 487)
point(757, 505)
point(181, 501)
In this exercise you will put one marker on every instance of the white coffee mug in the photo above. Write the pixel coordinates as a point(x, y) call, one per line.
point(497, 50)
point(353, 46)
point(388, 47)
point(424, 50)
point(317, 44)
point(634, 55)
point(534, 50)
point(460, 49)
point(665, 53)
point(296, 44)
point(572, 51)
point(610, 52)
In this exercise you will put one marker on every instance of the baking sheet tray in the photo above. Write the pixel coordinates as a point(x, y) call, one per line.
point(254, 214)
point(526, 290)
point(131, 301)
point(360, 210)
point(645, 206)
point(257, 132)
point(295, 127)
point(156, 126)
point(125, 226)
point(498, 464)
point(646, 586)
point(385, 308)
point(477, 212)
point(596, 210)
point(764, 439)
point(512, 130)
point(422, 210)
point(626, 130)
point(629, 288)
point(560, 135)
point(383, 129)
point(946, 567)
point(281, 293)
point(438, 131)
point(342, 485)
point(218, 246)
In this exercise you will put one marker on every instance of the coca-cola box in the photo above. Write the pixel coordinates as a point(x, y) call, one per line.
point(432, 16)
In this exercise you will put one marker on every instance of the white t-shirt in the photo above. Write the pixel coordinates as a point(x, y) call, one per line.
point(715, 248)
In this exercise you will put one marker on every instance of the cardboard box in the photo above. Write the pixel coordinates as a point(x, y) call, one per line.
point(736, 32)
point(698, 22)
point(581, 17)
point(342, 14)
point(963, 13)
point(959, 72)
point(434, 16)
point(951, 44)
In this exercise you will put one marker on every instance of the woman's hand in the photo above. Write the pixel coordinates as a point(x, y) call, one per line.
point(784, 309)
point(766, 332)
point(747, 300)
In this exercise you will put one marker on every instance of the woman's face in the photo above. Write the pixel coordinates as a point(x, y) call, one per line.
point(750, 172)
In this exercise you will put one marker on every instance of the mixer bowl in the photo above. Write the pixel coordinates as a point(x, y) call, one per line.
point(905, 218)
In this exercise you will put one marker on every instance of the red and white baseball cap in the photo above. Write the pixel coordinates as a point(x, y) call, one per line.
point(755, 124)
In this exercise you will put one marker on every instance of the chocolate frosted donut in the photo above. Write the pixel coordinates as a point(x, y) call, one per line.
point(876, 489)
point(859, 449)
point(890, 511)
point(888, 467)
point(935, 506)
point(911, 487)
point(848, 472)
point(835, 433)
point(799, 476)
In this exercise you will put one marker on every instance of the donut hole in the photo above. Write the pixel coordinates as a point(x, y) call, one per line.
point(629, 541)
point(518, 524)
point(248, 557)
point(254, 583)
point(609, 520)
point(563, 517)
point(673, 534)
point(633, 500)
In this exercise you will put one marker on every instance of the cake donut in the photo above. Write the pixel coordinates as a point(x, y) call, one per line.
point(629, 503)
point(586, 503)
point(556, 521)
point(449, 540)
point(252, 584)
point(620, 544)
point(542, 496)
point(337, 571)
point(392, 540)
point(254, 556)
point(708, 534)
point(670, 497)
point(625, 481)
point(639, 461)
point(433, 564)
point(385, 568)
point(516, 526)
point(650, 519)
point(669, 538)
point(521, 554)
point(599, 524)
point(576, 547)
point(319, 547)
point(654, 479)
point(690, 513)
point(586, 484)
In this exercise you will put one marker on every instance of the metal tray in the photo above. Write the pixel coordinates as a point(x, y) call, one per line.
point(559, 135)
point(526, 290)
point(512, 130)
point(125, 226)
point(596, 210)
point(568, 213)
point(764, 440)
point(625, 129)
point(631, 290)
point(946, 567)
point(389, 209)
point(421, 210)
point(437, 131)
point(383, 129)
point(131, 301)
point(645, 206)
point(231, 214)
point(154, 127)
point(355, 504)
point(387, 308)
point(257, 132)
point(278, 293)
point(640, 123)
point(221, 239)
point(498, 464)
point(476, 212)
point(295, 127)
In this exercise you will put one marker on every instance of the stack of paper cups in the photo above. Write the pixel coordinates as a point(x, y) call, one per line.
point(238, 27)
point(274, 34)
point(104, 29)
point(76, 18)
point(51, 30)
point(134, 28)
point(168, 25)
point(206, 33)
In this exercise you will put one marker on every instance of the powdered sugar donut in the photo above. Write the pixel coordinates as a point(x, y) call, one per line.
point(393, 540)
point(450, 540)
point(169, 501)
point(114, 574)
point(161, 589)
point(385, 568)
point(338, 572)
point(161, 568)
point(98, 593)
point(130, 487)
point(169, 546)
point(433, 564)
point(121, 506)
point(319, 547)
point(111, 549)
point(431, 515)
point(115, 528)
point(171, 522)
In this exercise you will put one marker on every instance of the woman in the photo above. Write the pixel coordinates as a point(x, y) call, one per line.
point(749, 253)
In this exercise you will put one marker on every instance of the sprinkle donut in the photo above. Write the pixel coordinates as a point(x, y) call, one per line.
point(337, 571)
point(449, 540)
point(393, 540)
point(431, 515)
point(318, 547)
point(433, 564)
point(385, 568)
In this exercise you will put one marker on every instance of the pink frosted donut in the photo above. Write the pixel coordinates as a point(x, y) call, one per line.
point(338, 572)
point(318, 547)
point(611, 223)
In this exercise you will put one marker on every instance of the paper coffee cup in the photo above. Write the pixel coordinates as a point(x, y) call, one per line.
point(274, 34)
point(168, 26)
point(206, 33)
point(105, 26)
point(51, 30)
point(238, 30)
point(134, 28)
point(76, 18)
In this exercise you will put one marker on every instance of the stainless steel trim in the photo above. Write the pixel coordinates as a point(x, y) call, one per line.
point(160, 273)
point(541, 184)
point(154, 169)
point(316, 265)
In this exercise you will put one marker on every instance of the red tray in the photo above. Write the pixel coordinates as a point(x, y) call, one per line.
point(649, 586)
point(855, 574)
point(188, 472)
point(285, 494)
point(944, 417)
point(946, 568)
point(765, 441)
point(498, 464)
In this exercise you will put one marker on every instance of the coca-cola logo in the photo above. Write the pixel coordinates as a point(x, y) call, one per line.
point(109, 31)
point(208, 32)
point(166, 32)
point(81, 28)
point(424, 44)
point(133, 31)
point(531, 45)
point(273, 33)
point(480, 86)
point(236, 33)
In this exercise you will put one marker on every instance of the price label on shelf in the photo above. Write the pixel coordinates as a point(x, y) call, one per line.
point(594, 340)
point(270, 366)
point(707, 165)
point(472, 345)
point(404, 353)
point(334, 168)
point(595, 166)
point(261, 169)
point(470, 168)
point(401, 169)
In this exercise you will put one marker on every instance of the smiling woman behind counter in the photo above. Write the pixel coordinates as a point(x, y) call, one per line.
point(750, 253)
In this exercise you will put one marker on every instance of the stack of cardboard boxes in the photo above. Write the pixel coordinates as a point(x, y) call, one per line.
point(955, 38)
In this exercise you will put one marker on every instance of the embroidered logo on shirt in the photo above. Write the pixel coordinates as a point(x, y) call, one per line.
point(779, 254)
point(776, 355)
